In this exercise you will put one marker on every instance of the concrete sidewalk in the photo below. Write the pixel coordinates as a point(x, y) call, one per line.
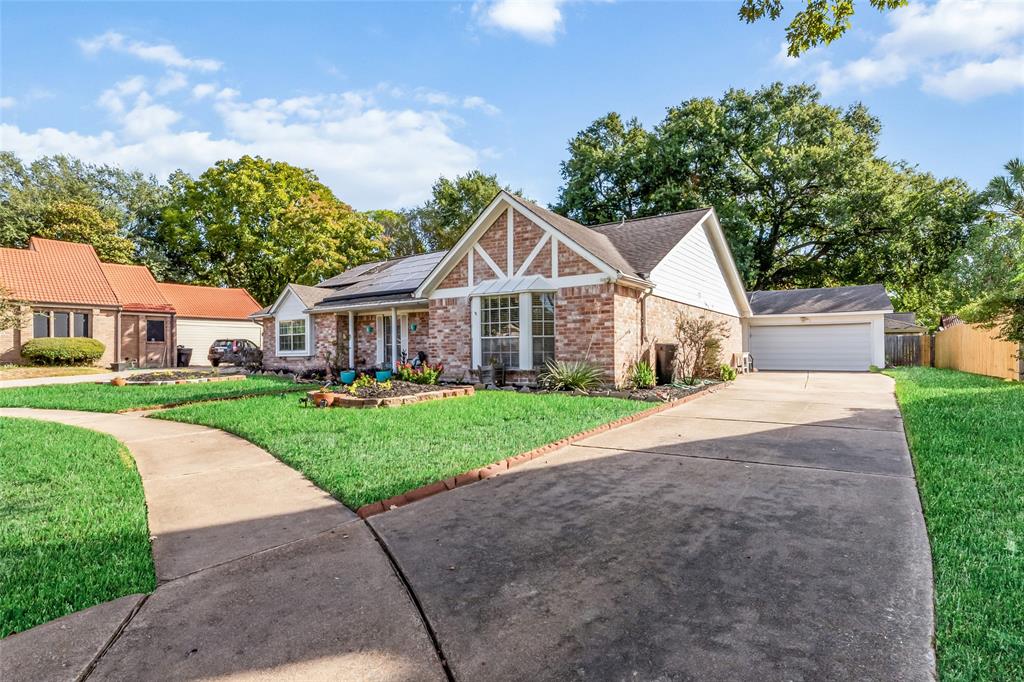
point(102, 377)
point(260, 574)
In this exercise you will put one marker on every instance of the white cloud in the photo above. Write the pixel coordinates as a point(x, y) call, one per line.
point(371, 156)
point(203, 90)
point(165, 54)
point(476, 102)
point(174, 80)
point(961, 49)
point(6, 102)
point(537, 20)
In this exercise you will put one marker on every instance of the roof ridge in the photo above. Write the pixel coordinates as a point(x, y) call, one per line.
point(649, 217)
point(842, 286)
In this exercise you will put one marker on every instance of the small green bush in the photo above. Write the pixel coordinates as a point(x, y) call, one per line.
point(567, 376)
point(727, 372)
point(62, 351)
point(642, 375)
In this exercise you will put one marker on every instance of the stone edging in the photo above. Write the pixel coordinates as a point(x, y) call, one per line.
point(499, 467)
point(351, 401)
point(198, 380)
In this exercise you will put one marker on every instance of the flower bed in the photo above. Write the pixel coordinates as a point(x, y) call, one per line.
point(386, 394)
point(179, 377)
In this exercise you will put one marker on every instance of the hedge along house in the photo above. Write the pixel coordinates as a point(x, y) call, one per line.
point(522, 286)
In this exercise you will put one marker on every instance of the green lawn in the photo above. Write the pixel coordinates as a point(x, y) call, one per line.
point(966, 434)
point(73, 527)
point(361, 456)
point(107, 398)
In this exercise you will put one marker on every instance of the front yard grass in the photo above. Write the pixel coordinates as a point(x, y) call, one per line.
point(26, 372)
point(966, 434)
point(362, 456)
point(107, 398)
point(73, 529)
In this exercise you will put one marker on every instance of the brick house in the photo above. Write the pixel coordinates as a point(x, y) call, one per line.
point(522, 286)
point(66, 291)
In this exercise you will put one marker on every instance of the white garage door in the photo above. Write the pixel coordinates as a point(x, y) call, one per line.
point(840, 347)
point(199, 335)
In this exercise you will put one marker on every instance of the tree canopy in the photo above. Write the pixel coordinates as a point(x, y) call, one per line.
point(799, 187)
point(820, 21)
point(261, 224)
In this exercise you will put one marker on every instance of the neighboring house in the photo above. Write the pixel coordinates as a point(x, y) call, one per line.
point(903, 323)
point(205, 314)
point(524, 286)
point(69, 292)
point(840, 328)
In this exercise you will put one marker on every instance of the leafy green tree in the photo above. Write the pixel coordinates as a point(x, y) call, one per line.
point(800, 189)
point(73, 221)
point(130, 201)
point(454, 206)
point(606, 171)
point(991, 274)
point(821, 21)
point(260, 224)
point(399, 231)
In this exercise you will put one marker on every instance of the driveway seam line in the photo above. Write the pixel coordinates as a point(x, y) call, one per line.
point(85, 674)
point(427, 625)
point(761, 421)
point(744, 461)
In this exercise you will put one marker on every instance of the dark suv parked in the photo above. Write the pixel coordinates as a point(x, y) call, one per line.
point(241, 352)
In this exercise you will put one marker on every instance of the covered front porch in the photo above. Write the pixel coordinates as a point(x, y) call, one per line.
point(380, 337)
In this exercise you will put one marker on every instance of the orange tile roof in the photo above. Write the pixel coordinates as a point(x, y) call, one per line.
point(214, 303)
point(50, 271)
point(135, 288)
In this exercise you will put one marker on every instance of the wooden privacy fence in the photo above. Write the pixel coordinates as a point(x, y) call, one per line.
point(972, 348)
point(907, 350)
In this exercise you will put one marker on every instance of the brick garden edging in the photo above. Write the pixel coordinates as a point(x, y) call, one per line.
point(197, 380)
point(499, 467)
point(351, 401)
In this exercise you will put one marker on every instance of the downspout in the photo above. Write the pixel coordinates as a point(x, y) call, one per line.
point(351, 340)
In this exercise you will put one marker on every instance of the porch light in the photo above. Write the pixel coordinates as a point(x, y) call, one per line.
point(413, 326)
point(369, 329)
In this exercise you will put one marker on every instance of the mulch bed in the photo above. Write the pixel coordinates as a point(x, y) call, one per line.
point(400, 393)
point(397, 390)
point(658, 394)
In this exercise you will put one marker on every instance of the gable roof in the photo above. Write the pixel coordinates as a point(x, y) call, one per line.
point(854, 299)
point(392, 279)
point(310, 296)
point(135, 288)
point(211, 303)
point(51, 271)
point(644, 242)
point(903, 322)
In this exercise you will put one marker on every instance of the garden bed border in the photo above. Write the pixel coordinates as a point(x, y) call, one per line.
point(168, 382)
point(352, 401)
point(503, 465)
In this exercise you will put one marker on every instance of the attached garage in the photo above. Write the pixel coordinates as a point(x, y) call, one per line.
point(841, 329)
point(206, 314)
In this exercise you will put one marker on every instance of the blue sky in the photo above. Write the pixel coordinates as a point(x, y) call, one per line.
point(379, 99)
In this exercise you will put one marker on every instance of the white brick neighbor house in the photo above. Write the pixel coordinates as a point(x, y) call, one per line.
point(524, 285)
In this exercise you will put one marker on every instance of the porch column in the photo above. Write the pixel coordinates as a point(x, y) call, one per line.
point(394, 338)
point(351, 340)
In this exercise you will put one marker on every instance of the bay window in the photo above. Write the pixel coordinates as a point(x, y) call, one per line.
point(291, 336)
point(499, 331)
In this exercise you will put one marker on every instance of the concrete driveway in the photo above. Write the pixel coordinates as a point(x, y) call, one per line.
point(769, 532)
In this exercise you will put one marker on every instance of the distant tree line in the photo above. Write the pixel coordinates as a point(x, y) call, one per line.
point(800, 187)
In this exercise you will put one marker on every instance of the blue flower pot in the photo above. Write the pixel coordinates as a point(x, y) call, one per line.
point(384, 375)
point(347, 377)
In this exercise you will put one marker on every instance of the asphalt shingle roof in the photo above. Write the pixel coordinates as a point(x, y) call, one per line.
point(868, 297)
point(644, 242)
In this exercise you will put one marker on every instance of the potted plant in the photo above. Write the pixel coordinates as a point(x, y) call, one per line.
point(347, 376)
point(383, 374)
point(322, 397)
point(118, 381)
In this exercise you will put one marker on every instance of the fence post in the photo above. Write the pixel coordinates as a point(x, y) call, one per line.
point(1020, 362)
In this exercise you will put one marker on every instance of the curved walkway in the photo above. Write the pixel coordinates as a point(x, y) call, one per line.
point(255, 568)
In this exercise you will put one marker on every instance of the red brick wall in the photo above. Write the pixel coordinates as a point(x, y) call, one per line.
point(571, 263)
point(628, 344)
point(541, 265)
point(419, 340)
point(325, 337)
point(450, 340)
point(495, 242)
point(526, 236)
point(585, 325)
point(458, 277)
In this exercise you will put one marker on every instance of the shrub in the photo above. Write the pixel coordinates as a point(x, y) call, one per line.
point(62, 351)
point(700, 347)
point(566, 376)
point(727, 372)
point(642, 375)
point(424, 374)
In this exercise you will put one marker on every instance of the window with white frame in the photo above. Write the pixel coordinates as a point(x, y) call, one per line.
point(542, 308)
point(291, 336)
point(499, 331)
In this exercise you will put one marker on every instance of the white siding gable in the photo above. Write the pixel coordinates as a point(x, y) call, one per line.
point(291, 308)
point(691, 274)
